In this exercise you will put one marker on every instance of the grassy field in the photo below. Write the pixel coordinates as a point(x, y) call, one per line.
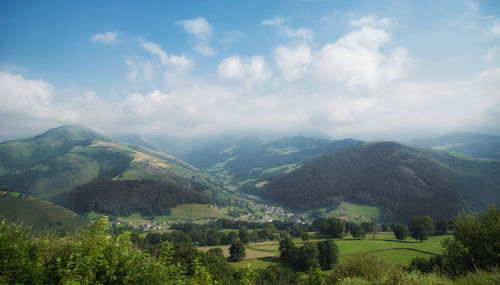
point(383, 246)
point(38, 213)
point(355, 213)
point(195, 211)
point(181, 213)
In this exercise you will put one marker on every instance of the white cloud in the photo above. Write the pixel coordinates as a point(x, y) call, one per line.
point(202, 30)
point(21, 95)
point(354, 86)
point(278, 21)
point(204, 49)
point(250, 70)
point(199, 27)
point(356, 59)
point(296, 34)
point(201, 107)
point(165, 59)
point(495, 29)
point(108, 38)
point(293, 63)
point(372, 21)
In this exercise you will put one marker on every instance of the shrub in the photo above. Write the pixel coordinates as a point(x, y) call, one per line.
point(364, 266)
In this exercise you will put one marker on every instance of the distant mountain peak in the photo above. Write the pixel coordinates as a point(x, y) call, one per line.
point(75, 131)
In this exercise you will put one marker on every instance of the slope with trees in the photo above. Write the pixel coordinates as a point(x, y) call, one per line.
point(400, 179)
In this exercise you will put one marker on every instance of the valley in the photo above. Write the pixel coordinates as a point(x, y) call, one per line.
point(247, 178)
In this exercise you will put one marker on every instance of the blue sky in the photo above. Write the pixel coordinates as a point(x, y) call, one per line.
point(367, 69)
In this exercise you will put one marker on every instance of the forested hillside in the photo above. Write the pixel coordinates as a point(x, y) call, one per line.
point(403, 181)
point(123, 198)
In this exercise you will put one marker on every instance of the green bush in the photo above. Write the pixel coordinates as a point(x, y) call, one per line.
point(90, 257)
point(364, 266)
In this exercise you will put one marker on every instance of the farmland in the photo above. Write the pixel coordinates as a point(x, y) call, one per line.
point(383, 246)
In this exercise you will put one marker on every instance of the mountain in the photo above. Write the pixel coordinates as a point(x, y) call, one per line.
point(477, 145)
point(249, 160)
point(402, 180)
point(134, 140)
point(38, 213)
point(57, 164)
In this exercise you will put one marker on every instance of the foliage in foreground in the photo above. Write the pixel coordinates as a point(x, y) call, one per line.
point(365, 269)
point(93, 256)
point(475, 245)
point(89, 257)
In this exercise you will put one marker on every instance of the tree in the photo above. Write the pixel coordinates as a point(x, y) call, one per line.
point(307, 256)
point(305, 236)
point(335, 228)
point(213, 237)
point(400, 231)
point(366, 226)
point(320, 224)
point(385, 227)
point(328, 254)
point(286, 247)
point(231, 236)
point(476, 244)
point(349, 226)
point(442, 227)
point(244, 235)
point(373, 229)
point(421, 227)
point(237, 250)
point(357, 231)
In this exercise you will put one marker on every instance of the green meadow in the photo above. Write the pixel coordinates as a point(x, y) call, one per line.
point(383, 246)
point(38, 213)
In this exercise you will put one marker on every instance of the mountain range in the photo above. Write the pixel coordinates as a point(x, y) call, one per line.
point(64, 164)
point(85, 171)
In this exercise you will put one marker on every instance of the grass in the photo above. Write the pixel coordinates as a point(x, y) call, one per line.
point(39, 213)
point(194, 211)
point(383, 246)
point(133, 218)
point(257, 263)
point(286, 168)
point(355, 212)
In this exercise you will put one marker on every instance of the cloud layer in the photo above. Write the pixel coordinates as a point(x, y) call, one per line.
point(354, 85)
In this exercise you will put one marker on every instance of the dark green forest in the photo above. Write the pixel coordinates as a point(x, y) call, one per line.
point(123, 198)
point(397, 178)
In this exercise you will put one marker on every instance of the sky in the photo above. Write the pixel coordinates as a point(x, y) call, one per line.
point(362, 69)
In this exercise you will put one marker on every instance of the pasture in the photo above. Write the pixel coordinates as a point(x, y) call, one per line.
point(383, 246)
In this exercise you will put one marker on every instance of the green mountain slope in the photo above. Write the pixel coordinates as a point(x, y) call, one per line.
point(244, 162)
point(477, 179)
point(38, 213)
point(52, 165)
point(477, 145)
point(400, 179)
